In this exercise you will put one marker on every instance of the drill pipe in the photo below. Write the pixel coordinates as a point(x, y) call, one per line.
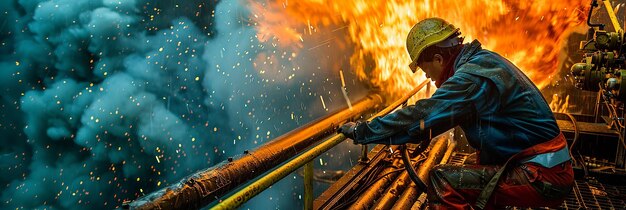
point(438, 151)
point(203, 187)
point(392, 193)
point(410, 198)
point(368, 197)
point(253, 189)
point(400, 184)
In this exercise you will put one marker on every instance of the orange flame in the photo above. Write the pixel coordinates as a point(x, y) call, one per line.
point(526, 32)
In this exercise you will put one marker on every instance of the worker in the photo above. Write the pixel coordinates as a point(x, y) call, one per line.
point(523, 159)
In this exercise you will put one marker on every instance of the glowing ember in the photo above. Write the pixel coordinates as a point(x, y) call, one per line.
point(526, 32)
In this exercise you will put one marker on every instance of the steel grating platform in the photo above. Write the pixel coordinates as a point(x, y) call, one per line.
point(592, 194)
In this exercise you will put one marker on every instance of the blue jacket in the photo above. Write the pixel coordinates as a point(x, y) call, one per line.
point(500, 110)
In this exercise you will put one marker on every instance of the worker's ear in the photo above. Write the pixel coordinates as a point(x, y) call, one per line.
point(437, 58)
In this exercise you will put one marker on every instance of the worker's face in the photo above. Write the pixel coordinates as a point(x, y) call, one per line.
point(433, 68)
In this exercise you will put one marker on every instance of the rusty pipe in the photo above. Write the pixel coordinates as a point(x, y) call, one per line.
point(204, 187)
point(372, 193)
point(384, 185)
point(434, 157)
point(438, 150)
point(398, 189)
point(408, 197)
point(393, 192)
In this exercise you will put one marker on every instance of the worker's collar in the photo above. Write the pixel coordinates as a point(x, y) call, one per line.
point(467, 52)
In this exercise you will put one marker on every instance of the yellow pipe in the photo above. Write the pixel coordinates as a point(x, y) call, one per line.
point(203, 187)
point(609, 9)
point(274, 176)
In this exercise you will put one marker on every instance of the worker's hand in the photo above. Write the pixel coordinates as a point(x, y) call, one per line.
point(348, 129)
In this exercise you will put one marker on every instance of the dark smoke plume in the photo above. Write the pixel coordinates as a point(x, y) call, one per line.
point(104, 101)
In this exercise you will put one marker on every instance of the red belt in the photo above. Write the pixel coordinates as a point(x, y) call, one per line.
point(553, 145)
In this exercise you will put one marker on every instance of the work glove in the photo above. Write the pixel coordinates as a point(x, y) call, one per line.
point(348, 129)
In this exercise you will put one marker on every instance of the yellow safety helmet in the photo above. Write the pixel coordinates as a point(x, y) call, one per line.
point(426, 33)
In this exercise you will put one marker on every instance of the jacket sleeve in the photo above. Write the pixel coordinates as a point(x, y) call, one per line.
point(453, 102)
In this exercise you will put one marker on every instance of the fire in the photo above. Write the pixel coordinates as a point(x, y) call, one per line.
point(526, 32)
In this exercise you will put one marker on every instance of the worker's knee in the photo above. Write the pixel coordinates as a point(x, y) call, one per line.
point(439, 172)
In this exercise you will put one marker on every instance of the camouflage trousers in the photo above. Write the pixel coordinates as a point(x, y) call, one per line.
point(522, 185)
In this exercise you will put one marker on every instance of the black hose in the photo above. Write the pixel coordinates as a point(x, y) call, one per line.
point(409, 168)
point(576, 133)
point(582, 164)
point(578, 158)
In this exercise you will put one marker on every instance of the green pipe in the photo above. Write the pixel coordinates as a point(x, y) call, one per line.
point(264, 182)
point(308, 186)
point(364, 151)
